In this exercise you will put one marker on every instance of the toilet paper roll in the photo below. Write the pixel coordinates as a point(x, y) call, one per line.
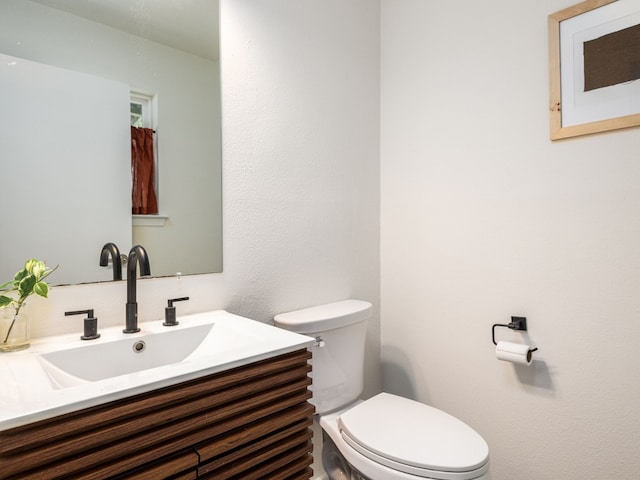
point(514, 352)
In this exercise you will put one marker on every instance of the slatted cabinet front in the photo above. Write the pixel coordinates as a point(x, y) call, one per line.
point(250, 422)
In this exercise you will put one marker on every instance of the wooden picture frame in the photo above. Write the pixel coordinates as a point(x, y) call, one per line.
point(573, 108)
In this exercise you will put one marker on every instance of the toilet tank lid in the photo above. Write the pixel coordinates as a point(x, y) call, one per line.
point(324, 317)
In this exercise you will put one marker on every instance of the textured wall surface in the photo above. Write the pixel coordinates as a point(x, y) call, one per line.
point(483, 218)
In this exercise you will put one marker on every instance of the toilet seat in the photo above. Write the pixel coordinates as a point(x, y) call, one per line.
point(414, 438)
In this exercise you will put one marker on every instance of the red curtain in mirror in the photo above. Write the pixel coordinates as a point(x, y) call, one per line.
point(143, 192)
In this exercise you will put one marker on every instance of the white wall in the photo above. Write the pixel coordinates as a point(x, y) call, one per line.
point(483, 218)
point(301, 174)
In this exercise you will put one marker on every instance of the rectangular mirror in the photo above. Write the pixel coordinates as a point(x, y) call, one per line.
point(69, 165)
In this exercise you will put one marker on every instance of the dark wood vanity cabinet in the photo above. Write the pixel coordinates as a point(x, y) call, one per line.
point(250, 422)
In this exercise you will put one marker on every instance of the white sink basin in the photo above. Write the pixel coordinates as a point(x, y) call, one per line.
point(62, 374)
point(99, 361)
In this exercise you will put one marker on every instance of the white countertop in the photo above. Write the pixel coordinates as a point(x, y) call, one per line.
point(29, 394)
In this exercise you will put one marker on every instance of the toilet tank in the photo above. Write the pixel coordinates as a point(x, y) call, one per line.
point(338, 357)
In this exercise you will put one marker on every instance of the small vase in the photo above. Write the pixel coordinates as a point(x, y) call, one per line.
point(14, 329)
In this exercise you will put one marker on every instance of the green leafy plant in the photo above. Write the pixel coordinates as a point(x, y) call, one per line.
point(27, 281)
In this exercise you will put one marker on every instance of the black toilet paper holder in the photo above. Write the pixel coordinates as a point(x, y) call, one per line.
point(517, 323)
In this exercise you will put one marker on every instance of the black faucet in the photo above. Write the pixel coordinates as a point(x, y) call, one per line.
point(137, 255)
point(111, 248)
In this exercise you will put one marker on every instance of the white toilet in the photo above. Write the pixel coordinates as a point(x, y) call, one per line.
point(386, 437)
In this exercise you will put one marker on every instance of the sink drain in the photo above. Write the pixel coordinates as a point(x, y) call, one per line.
point(139, 346)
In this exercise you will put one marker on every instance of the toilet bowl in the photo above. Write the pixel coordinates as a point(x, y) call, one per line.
point(390, 437)
point(386, 437)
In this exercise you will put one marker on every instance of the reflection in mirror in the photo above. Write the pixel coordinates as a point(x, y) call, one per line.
point(66, 156)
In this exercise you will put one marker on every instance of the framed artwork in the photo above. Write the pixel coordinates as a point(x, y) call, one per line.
point(594, 67)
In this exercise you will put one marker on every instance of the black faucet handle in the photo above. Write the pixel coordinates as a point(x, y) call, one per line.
point(90, 324)
point(170, 312)
point(171, 300)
